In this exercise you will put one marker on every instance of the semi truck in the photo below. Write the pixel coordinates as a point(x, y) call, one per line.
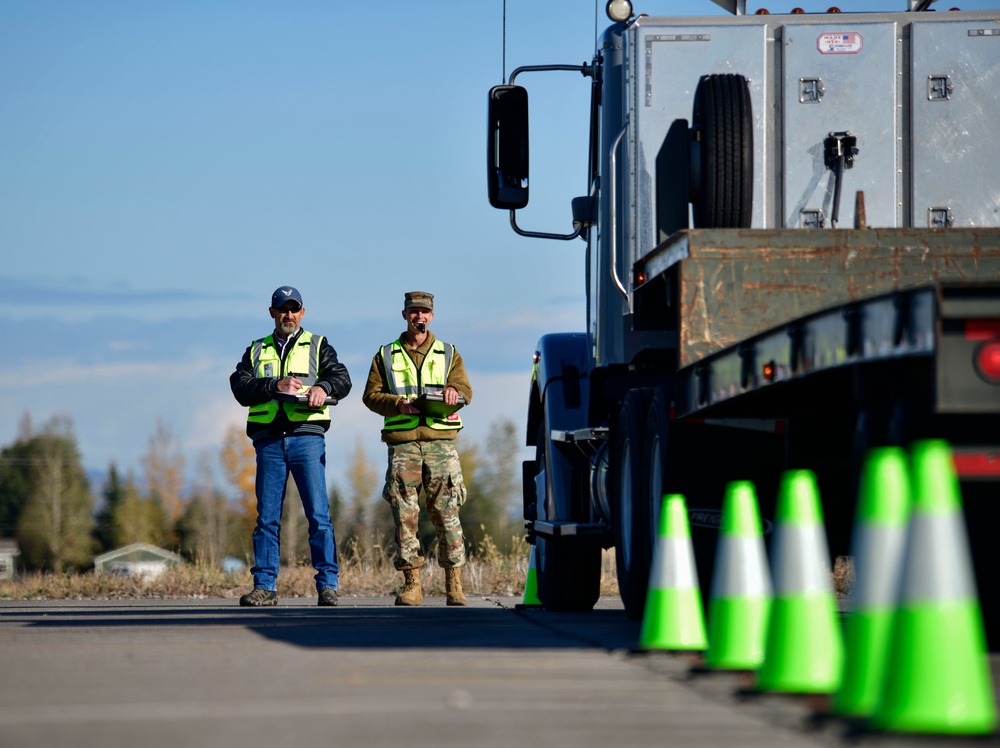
point(792, 228)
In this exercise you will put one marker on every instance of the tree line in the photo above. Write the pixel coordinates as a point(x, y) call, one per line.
point(48, 505)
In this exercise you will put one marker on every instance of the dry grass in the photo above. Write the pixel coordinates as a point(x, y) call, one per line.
point(364, 571)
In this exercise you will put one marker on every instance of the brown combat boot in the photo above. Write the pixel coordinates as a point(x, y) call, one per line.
point(453, 586)
point(412, 594)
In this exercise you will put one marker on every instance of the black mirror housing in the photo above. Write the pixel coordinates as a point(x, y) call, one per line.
point(507, 147)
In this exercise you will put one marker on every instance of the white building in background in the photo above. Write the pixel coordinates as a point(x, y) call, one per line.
point(9, 550)
point(136, 560)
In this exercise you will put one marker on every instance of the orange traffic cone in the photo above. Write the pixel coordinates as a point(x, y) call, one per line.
point(937, 676)
point(877, 546)
point(673, 618)
point(804, 651)
point(740, 600)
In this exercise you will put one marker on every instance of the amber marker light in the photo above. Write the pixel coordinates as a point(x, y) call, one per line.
point(770, 371)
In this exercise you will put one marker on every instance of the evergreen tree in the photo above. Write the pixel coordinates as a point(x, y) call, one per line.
point(15, 483)
point(114, 494)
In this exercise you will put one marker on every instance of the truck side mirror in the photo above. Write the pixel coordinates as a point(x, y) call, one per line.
point(507, 147)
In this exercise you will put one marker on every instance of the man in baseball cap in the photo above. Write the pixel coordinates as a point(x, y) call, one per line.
point(285, 380)
point(283, 295)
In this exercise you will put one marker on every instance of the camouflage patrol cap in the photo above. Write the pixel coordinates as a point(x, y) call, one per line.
point(418, 299)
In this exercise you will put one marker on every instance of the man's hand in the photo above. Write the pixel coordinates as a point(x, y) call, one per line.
point(291, 385)
point(405, 407)
point(451, 396)
point(317, 396)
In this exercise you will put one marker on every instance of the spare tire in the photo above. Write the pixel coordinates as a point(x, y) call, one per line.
point(722, 153)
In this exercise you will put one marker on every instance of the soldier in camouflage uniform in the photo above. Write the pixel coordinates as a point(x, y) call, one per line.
point(421, 445)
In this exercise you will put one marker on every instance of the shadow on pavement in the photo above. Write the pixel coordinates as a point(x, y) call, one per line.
point(366, 627)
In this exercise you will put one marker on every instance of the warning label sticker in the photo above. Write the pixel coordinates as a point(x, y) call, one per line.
point(840, 43)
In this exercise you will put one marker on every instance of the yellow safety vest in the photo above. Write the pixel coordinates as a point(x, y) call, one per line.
point(302, 361)
point(403, 379)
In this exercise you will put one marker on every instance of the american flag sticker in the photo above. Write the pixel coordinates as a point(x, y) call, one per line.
point(840, 43)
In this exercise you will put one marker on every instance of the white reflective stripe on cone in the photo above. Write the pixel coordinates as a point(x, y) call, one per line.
point(741, 568)
point(673, 564)
point(878, 555)
point(793, 547)
point(937, 565)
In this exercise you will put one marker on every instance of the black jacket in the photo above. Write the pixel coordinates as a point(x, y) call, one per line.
point(249, 390)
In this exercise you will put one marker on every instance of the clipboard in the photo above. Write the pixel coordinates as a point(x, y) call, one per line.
point(433, 404)
point(301, 398)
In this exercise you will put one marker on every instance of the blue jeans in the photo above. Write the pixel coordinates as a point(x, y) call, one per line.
point(305, 458)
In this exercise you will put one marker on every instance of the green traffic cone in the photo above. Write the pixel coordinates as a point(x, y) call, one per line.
point(740, 598)
point(877, 546)
point(673, 618)
point(804, 651)
point(531, 585)
point(937, 676)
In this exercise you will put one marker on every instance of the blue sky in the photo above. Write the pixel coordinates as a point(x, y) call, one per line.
point(165, 165)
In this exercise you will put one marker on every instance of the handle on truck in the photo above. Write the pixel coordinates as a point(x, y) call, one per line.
point(614, 218)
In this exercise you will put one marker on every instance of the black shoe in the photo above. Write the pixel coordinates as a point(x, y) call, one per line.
point(327, 596)
point(259, 598)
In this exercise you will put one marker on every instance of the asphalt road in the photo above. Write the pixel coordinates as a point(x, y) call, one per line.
point(207, 673)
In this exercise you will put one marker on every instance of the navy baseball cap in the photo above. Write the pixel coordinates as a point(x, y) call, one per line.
point(283, 295)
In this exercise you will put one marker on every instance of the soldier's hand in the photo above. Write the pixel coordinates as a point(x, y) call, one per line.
point(405, 407)
point(451, 396)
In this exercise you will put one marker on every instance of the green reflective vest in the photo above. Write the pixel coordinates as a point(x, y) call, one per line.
point(403, 379)
point(301, 361)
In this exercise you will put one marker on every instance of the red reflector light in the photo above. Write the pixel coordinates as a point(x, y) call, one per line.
point(988, 361)
point(977, 464)
point(982, 329)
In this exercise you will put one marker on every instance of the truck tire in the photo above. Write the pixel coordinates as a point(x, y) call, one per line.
point(628, 491)
point(568, 568)
point(722, 153)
